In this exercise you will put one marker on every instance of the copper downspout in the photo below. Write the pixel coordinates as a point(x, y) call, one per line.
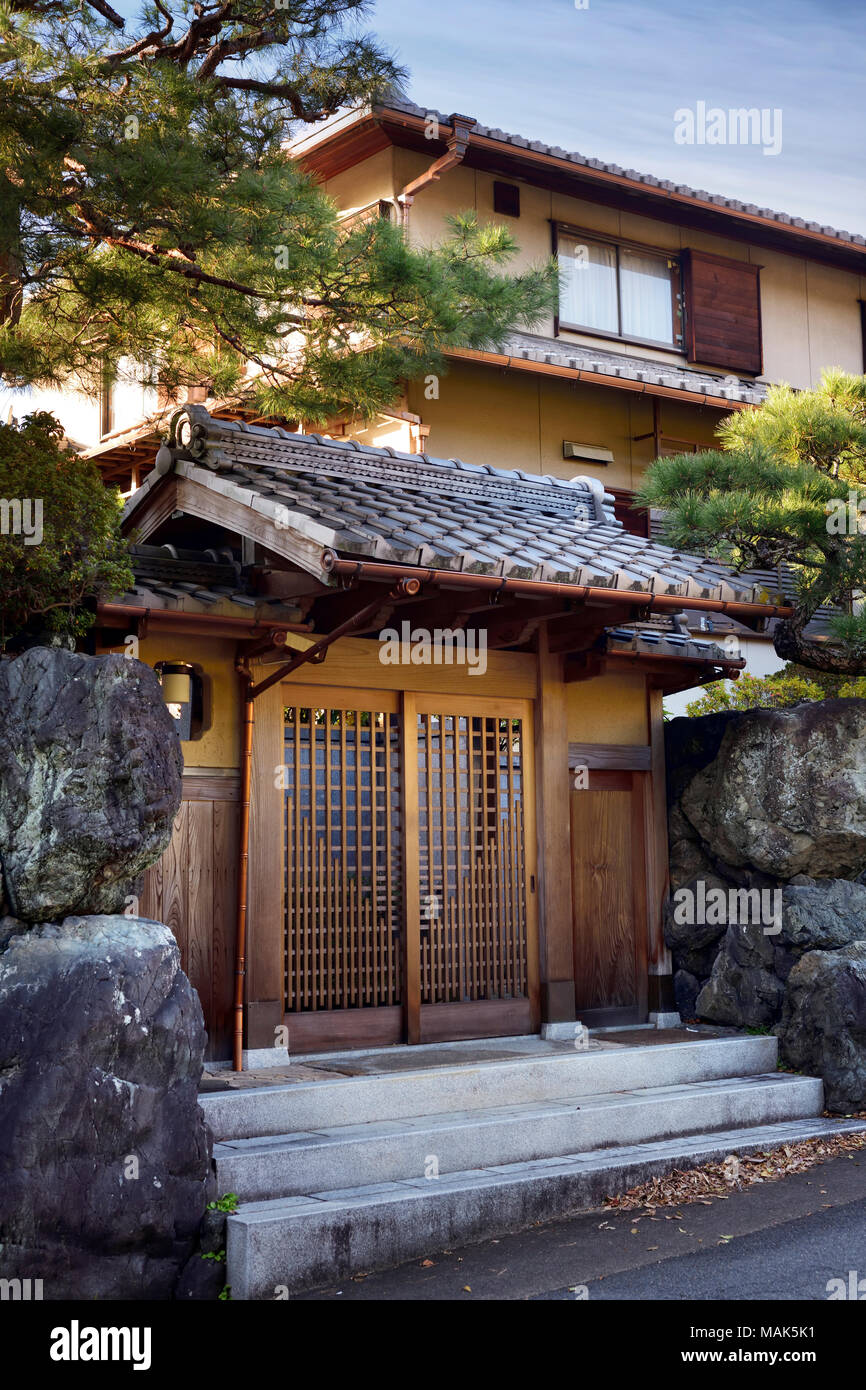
point(460, 579)
point(243, 869)
point(458, 144)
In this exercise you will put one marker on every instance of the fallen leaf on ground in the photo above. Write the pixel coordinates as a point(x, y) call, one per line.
point(710, 1182)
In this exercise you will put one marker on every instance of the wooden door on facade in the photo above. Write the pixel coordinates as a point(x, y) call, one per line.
point(609, 887)
point(409, 868)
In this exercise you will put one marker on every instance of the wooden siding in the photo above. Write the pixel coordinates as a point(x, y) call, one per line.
point(193, 889)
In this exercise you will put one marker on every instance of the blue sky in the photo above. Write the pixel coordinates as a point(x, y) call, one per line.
point(606, 80)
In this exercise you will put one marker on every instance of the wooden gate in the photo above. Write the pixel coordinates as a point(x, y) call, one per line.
point(410, 870)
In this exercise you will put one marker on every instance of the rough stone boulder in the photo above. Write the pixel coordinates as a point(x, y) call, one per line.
point(104, 1153)
point(823, 1026)
point(90, 781)
point(785, 792)
point(747, 985)
point(694, 944)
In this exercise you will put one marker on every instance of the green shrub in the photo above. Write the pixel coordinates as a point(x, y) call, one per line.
point(51, 572)
point(761, 692)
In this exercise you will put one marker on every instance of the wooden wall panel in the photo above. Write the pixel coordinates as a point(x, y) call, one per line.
point(192, 888)
point(609, 887)
point(603, 898)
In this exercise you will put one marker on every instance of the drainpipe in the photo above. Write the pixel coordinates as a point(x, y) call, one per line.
point(457, 143)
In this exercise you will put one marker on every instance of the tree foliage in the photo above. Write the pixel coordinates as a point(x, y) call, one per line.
point(150, 212)
point(786, 487)
point(60, 545)
point(780, 690)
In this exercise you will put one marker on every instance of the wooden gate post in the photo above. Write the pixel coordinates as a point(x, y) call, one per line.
point(265, 906)
point(552, 785)
point(661, 1002)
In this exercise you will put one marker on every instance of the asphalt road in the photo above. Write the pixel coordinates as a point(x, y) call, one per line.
point(778, 1240)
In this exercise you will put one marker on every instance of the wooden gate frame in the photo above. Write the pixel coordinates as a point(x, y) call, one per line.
point(266, 1018)
point(480, 1018)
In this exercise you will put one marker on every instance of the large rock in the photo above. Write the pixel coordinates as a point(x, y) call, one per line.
point(823, 1026)
point(90, 781)
point(746, 987)
point(785, 791)
point(747, 984)
point(694, 944)
point(104, 1153)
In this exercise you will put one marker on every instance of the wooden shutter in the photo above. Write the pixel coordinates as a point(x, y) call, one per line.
point(723, 312)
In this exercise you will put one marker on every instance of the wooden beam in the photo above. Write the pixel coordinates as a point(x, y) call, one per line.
point(411, 870)
point(658, 872)
point(265, 905)
point(552, 783)
point(625, 757)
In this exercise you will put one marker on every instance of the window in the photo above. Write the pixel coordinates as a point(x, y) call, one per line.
point(619, 291)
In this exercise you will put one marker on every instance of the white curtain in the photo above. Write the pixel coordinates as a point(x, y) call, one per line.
point(645, 290)
point(588, 294)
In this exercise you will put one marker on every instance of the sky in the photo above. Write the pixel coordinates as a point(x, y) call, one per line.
point(606, 80)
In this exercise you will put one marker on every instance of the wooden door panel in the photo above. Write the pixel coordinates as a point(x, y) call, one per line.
point(609, 886)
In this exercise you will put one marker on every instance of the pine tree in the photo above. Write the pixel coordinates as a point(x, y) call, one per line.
point(787, 486)
point(149, 211)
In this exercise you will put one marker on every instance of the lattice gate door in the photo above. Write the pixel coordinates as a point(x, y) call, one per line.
point(475, 881)
point(410, 870)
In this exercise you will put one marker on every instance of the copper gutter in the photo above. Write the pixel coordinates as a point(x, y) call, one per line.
point(642, 388)
point(459, 579)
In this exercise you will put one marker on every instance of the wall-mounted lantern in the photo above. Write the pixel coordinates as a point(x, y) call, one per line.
point(182, 691)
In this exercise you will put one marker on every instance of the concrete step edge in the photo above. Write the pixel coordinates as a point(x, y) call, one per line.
point(772, 1083)
point(305, 1242)
point(283, 1107)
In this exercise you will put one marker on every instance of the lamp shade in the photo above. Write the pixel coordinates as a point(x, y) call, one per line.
point(176, 687)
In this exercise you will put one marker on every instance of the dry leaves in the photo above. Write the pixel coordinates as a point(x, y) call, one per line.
point(713, 1179)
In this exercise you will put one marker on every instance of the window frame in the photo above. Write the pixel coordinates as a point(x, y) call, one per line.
point(675, 265)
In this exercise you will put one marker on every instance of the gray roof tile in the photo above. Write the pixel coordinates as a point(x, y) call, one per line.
point(415, 509)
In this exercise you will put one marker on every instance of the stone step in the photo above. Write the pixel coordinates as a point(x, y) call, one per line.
point(304, 1107)
point(391, 1150)
point(294, 1243)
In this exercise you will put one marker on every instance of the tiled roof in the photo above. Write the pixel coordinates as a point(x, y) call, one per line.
point(649, 180)
point(380, 504)
point(197, 582)
point(659, 641)
point(577, 356)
